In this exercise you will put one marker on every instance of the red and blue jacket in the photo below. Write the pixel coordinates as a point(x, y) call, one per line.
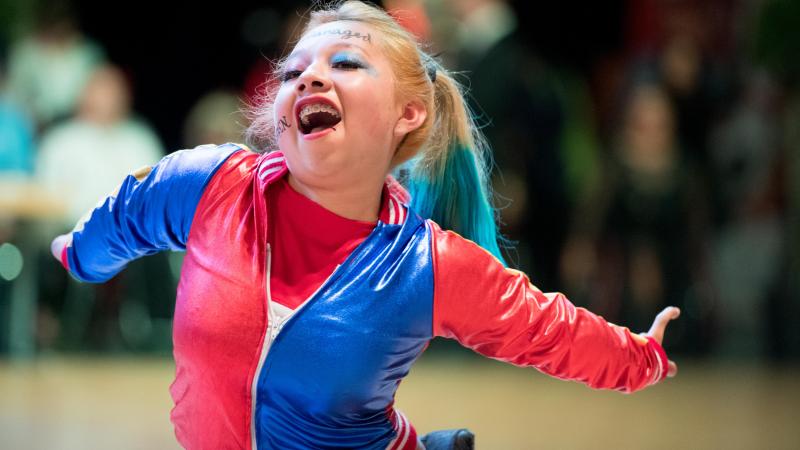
point(327, 377)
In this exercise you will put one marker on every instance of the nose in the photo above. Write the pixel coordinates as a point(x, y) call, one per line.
point(312, 81)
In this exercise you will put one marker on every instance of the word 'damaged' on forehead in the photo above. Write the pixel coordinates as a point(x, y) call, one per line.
point(345, 34)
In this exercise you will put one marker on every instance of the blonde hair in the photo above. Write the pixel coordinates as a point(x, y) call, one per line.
point(447, 129)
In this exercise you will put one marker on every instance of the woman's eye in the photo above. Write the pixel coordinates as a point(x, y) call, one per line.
point(290, 74)
point(346, 65)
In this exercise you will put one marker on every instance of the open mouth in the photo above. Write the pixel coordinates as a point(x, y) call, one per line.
point(315, 117)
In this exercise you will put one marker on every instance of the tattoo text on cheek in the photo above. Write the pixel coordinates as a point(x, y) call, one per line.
point(283, 124)
point(345, 34)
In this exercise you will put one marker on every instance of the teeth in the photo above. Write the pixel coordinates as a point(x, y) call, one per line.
point(316, 107)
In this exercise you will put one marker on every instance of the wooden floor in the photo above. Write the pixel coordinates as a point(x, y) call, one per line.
point(81, 403)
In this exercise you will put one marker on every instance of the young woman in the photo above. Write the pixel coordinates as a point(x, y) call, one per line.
point(313, 280)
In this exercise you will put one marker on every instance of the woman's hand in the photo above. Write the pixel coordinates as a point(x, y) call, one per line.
point(657, 332)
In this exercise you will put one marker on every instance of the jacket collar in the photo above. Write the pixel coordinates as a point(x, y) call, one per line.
point(394, 208)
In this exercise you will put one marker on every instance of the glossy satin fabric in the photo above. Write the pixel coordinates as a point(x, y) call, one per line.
point(332, 372)
point(329, 378)
point(220, 314)
point(144, 217)
point(499, 313)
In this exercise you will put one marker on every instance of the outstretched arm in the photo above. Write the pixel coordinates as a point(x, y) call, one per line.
point(151, 211)
point(498, 313)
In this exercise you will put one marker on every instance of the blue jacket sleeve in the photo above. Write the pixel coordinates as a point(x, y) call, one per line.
point(150, 212)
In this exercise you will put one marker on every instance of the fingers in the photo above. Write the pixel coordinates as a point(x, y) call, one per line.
point(669, 313)
point(661, 321)
point(672, 369)
point(657, 333)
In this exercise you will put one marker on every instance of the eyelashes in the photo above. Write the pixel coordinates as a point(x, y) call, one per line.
point(288, 75)
point(337, 63)
point(347, 63)
point(352, 65)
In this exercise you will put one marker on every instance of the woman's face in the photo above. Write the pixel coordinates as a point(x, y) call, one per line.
point(336, 112)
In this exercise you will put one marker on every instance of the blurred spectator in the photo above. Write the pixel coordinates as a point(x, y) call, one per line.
point(215, 118)
point(788, 314)
point(48, 70)
point(16, 134)
point(684, 75)
point(517, 99)
point(749, 247)
point(82, 160)
point(16, 140)
point(16, 162)
point(776, 42)
point(648, 226)
point(85, 158)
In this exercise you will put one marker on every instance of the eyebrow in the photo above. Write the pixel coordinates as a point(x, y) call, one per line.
point(298, 53)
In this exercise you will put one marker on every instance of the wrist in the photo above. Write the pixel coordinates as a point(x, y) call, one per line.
point(662, 360)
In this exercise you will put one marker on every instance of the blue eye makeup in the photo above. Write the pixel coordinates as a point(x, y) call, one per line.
point(340, 60)
point(347, 61)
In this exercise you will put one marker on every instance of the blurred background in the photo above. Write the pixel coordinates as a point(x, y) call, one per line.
point(647, 154)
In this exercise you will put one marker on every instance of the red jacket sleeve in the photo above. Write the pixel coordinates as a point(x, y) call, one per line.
point(498, 313)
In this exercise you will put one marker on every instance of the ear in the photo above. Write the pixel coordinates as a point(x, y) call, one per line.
point(413, 115)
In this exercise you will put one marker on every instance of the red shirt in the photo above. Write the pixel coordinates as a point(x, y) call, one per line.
point(307, 242)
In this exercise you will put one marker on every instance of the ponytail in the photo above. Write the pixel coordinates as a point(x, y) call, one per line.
point(449, 181)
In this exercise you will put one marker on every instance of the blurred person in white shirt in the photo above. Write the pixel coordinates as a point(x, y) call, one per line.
point(84, 158)
point(49, 68)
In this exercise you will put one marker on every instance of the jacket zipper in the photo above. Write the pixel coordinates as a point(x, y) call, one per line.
point(276, 326)
point(273, 328)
